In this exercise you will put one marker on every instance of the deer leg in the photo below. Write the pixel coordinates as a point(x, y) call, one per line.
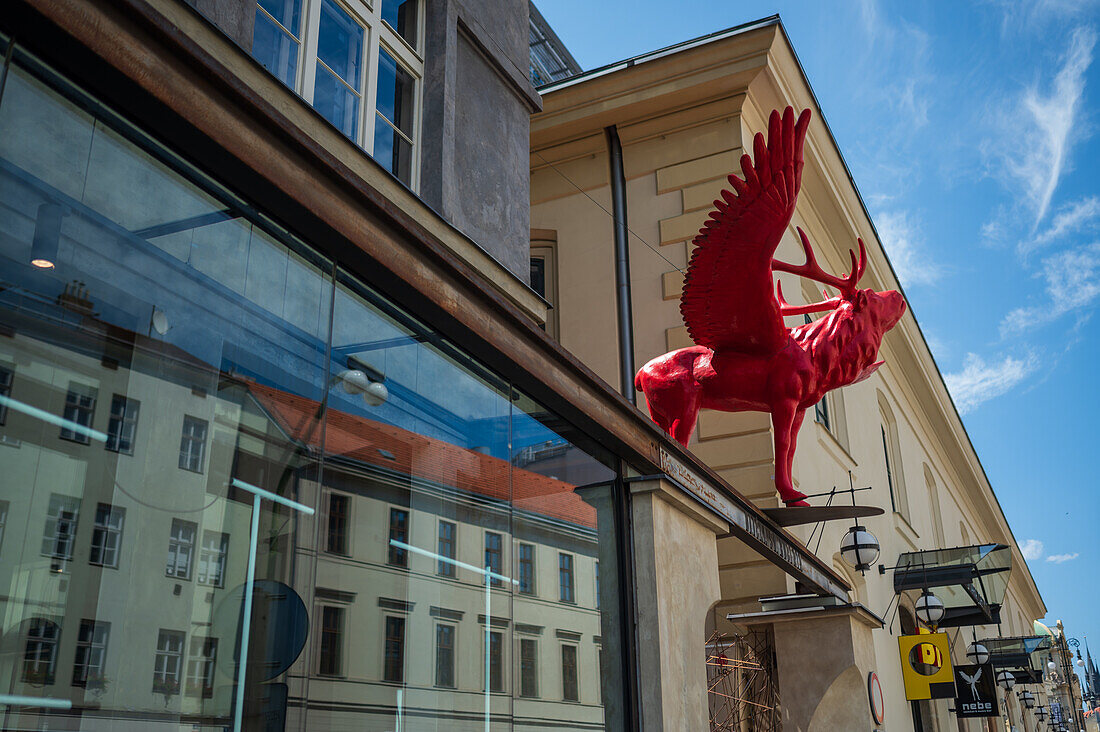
point(684, 424)
point(785, 418)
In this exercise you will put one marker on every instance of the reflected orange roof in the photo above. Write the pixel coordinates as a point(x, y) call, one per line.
point(368, 441)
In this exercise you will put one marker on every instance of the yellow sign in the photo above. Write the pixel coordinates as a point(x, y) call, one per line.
point(926, 666)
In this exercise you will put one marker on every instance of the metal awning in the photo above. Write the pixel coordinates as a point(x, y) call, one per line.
point(970, 580)
point(1021, 655)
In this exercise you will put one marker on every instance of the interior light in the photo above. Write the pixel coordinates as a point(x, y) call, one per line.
point(47, 235)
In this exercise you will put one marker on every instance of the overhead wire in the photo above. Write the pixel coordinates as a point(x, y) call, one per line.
point(610, 215)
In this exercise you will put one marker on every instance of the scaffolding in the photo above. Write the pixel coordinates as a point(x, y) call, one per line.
point(742, 682)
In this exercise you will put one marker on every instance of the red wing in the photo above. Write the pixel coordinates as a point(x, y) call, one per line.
point(728, 300)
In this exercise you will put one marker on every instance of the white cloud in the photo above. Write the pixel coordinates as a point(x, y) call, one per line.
point(1046, 119)
point(1073, 217)
point(979, 381)
point(1032, 549)
point(1059, 558)
point(1072, 282)
point(903, 242)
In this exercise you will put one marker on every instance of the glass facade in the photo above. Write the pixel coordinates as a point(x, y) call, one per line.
point(246, 490)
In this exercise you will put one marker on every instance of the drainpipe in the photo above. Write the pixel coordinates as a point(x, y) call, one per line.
point(622, 265)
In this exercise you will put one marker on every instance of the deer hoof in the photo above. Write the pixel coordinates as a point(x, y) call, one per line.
point(792, 504)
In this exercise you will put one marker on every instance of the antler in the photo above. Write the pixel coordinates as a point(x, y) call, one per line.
point(813, 271)
point(786, 308)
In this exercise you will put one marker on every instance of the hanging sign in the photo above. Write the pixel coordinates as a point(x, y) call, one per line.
point(926, 666)
point(977, 691)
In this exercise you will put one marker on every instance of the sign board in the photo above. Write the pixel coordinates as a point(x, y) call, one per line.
point(926, 666)
point(874, 696)
point(976, 688)
point(748, 527)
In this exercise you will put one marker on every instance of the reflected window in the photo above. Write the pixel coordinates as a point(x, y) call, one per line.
point(339, 61)
point(91, 654)
point(496, 661)
point(570, 690)
point(107, 535)
point(332, 639)
point(596, 569)
point(527, 568)
point(212, 557)
point(60, 532)
point(400, 15)
point(336, 540)
point(528, 667)
point(79, 412)
point(122, 426)
point(200, 667)
point(394, 653)
point(193, 444)
point(398, 556)
point(444, 655)
point(7, 375)
point(3, 523)
point(565, 577)
point(493, 556)
point(446, 549)
point(276, 37)
point(168, 662)
point(40, 653)
point(181, 549)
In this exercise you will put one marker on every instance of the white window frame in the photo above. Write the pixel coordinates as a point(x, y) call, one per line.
point(376, 34)
point(180, 546)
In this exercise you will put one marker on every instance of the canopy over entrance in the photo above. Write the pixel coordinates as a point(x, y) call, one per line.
point(970, 580)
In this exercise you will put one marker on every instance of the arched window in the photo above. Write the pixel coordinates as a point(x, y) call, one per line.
point(891, 453)
point(40, 654)
point(934, 503)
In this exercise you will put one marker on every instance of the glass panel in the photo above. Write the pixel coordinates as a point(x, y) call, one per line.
point(396, 93)
point(392, 150)
point(401, 16)
point(273, 47)
point(340, 51)
point(145, 350)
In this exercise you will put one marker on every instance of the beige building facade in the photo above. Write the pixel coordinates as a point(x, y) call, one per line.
point(684, 116)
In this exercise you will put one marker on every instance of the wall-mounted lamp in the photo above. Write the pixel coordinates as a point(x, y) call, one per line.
point(47, 235)
point(930, 609)
point(1028, 699)
point(976, 653)
point(859, 548)
point(1006, 680)
point(361, 378)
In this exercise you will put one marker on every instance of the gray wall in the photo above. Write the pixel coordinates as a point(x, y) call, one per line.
point(477, 101)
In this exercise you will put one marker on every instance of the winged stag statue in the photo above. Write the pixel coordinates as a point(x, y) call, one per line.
point(745, 357)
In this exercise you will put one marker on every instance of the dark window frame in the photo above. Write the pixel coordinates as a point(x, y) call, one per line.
point(42, 644)
point(338, 525)
point(122, 425)
point(330, 654)
point(445, 655)
point(528, 668)
point(78, 408)
point(399, 531)
point(174, 544)
point(567, 581)
point(570, 673)
point(446, 546)
point(526, 567)
point(393, 650)
point(494, 556)
point(192, 458)
point(86, 645)
point(102, 532)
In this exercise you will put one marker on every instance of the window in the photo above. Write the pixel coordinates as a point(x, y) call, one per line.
point(493, 554)
point(337, 540)
point(394, 654)
point(345, 52)
point(597, 595)
point(3, 522)
point(40, 654)
point(122, 426)
point(565, 577)
point(527, 568)
point(569, 686)
point(107, 535)
point(215, 549)
point(91, 653)
point(193, 444)
point(895, 478)
point(445, 547)
point(181, 549)
point(7, 374)
point(79, 411)
point(200, 667)
point(544, 275)
point(528, 667)
point(332, 639)
point(60, 532)
point(168, 662)
point(445, 655)
point(496, 661)
point(398, 556)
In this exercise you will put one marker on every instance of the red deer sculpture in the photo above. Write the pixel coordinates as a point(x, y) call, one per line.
point(746, 359)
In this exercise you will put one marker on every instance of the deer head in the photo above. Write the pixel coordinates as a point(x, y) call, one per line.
point(883, 308)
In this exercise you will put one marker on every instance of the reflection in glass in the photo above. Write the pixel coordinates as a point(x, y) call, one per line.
point(401, 16)
point(403, 550)
point(393, 132)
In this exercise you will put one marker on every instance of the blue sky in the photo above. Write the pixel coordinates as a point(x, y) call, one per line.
point(972, 132)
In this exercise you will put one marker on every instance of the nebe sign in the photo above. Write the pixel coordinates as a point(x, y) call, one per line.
point(976, 690)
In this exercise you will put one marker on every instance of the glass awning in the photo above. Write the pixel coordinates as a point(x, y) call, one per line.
point(970, 580)
point(1020, 655)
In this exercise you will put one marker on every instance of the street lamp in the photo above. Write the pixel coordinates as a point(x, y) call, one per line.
point(1028, 699)
point(977, 654)
point(1006, 680)
point(859, 548)
point(930, 609)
